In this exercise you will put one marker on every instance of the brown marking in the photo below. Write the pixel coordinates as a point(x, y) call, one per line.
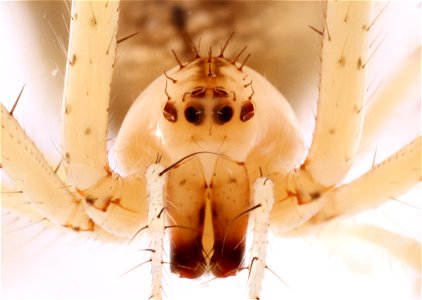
point(198, 92)
point(170, 112)
point(90, 227)
point(359, 63)
point(87, 131)
point(347, 14)
point(186, 258)
point(315, 195)
point(332, 131)
point(90, 200)
point(93, 19)
point(16, 101)
point(227, 257)
point(220, 92)
point(342, 61)
point(72, 61)
point(93, 201)
point(210, 72)
point(108, 170)
point(185, 205)
point(247, 111)
point(228, 204)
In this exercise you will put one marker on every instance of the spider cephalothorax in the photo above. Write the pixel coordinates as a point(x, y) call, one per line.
point(210, 107)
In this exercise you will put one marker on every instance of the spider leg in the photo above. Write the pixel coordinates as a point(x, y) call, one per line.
point(118, 204)
point(156, 184)
point(340, 109)
point(89, 69)
point(312, 192)
point(388, 99)
point(389, 179)
point(264, 198)
point(340, 114)
point(22, 160)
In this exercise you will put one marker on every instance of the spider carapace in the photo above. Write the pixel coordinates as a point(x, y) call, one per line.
point(211, 115)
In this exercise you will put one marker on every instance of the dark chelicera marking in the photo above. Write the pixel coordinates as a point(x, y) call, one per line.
point(186, 252)
point(170, 112)
point(187, 259)
point(227, 257)
point(194, 114)
point(247, 111)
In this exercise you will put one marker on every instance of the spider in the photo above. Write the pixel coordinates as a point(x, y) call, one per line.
point(221, 116)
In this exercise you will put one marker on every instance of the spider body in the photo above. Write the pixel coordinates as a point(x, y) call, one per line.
point(216, 127)
point(210, 105)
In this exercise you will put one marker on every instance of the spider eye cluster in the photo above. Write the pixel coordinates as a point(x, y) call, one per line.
point(213, 102)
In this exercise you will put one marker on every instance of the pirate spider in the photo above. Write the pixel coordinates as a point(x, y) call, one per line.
point(197, 91)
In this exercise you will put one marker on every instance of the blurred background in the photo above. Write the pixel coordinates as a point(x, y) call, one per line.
point(373, 255)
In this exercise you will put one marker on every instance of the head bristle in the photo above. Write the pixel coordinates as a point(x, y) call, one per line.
point(225, 44)
point(169, 78)
point(210, 72)
point(195, 51)
point(253, 91)
point(244, 62)
point(210, 54)
point(177, 59)
point(167, 94)
point(234, 59)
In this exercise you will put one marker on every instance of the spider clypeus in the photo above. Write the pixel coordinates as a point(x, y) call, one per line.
point(248, 95)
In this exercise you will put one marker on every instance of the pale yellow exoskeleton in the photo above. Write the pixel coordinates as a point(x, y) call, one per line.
point(207, 149)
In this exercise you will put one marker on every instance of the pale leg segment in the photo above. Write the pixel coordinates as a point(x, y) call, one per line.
point(340, 112)
point(387, 180)
point(40, 185)
point(117, 204)
point(264, 199)
point(89, 70)
point(156, 216)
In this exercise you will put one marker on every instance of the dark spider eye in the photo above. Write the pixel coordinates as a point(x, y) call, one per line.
point(223, 114)
point(170, 112)
point(220, 92)
point(198, 92)
point(247, 111)
point(194, 114)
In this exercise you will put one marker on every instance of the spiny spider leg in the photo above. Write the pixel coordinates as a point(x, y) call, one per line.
point(118, 204)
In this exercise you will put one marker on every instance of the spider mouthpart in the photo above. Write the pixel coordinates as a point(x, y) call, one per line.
point(170, 112)
point(247, 111)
